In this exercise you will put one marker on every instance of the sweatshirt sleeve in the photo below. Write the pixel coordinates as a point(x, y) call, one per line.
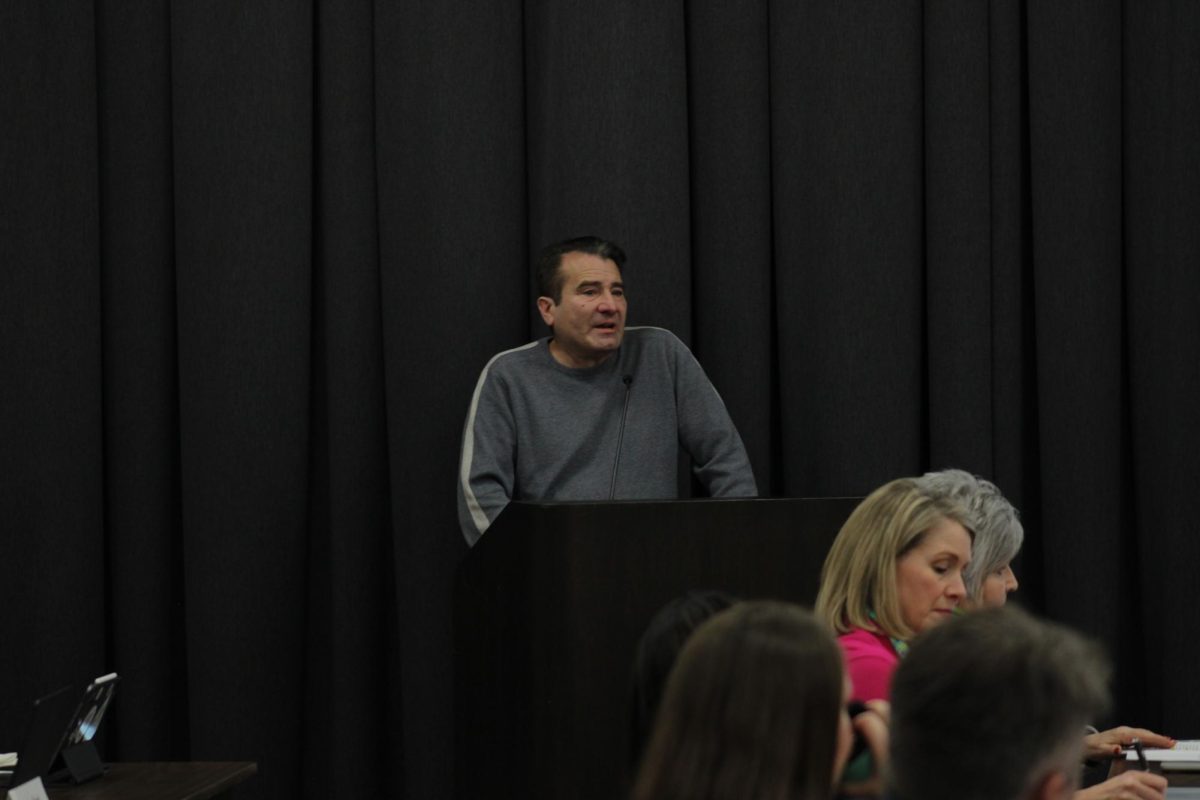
point(487, 464)
point(706, 431)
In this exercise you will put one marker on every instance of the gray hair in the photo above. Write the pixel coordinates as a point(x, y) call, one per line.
point(988, 704)
point(997, 525)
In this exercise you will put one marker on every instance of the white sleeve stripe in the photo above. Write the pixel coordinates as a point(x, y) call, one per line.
point(468, 451)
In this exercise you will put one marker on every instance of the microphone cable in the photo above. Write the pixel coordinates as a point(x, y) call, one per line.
point(612, 487)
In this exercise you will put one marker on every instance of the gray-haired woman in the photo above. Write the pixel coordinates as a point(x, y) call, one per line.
point(989, 579)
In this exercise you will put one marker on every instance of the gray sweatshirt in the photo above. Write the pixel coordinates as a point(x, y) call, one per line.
point(537, 430)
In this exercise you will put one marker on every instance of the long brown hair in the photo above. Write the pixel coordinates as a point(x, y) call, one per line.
point(751, 711)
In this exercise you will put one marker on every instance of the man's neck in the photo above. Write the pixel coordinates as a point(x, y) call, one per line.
point(574, 361)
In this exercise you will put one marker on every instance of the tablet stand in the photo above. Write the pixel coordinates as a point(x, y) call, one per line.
point(83, 761)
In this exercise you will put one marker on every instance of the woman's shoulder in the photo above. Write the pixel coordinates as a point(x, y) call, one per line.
point(870, 662)
point(862, 643)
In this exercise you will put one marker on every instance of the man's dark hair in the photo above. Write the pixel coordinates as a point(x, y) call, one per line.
point(549, 277)
point(988, 704)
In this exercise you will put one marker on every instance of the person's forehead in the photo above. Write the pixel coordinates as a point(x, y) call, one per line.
point(946, 535)
point(584, 267)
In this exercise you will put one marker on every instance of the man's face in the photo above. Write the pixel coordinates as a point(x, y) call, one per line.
point(589, 320)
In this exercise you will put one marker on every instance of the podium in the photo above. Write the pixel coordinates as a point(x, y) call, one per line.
point(549, 606)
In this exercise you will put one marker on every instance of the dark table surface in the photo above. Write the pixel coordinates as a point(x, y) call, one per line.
point(186, 780)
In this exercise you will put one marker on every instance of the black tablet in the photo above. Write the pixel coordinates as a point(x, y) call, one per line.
point(92, 706)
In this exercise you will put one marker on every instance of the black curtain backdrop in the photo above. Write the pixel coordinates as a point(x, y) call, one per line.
point(254, 255)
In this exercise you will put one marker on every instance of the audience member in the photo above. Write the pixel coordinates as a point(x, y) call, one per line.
point(754, 708)
point(998, 531)
point(894, 570)
point(990, 579)
point(989, 707)
point(656, 652)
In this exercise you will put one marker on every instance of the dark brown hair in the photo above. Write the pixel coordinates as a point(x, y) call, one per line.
point(549, 276)
point(656, 654)
point(750, 711)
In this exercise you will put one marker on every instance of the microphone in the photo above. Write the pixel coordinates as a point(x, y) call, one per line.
point(612, 486)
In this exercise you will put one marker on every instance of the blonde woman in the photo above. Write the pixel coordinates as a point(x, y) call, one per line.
point(894, 570)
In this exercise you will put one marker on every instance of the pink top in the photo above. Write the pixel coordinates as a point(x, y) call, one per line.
point(870, 662)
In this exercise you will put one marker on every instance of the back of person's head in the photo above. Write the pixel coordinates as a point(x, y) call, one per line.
point(751, 710)
point(858, 580)
point(992, 706)
point(997, 525)
point(656, 652)
point(549, 278)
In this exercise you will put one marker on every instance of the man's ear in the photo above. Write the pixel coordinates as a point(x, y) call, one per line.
point(546, 307)
point(1053, 785)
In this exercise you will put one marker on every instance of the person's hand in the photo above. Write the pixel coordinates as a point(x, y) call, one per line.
point(1108, 744)
point(873, 726)
point(1130, 785)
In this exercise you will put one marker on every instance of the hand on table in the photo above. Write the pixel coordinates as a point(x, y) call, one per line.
point(1108, 744)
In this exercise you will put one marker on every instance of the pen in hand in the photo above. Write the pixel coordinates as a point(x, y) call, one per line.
point(1141, 754)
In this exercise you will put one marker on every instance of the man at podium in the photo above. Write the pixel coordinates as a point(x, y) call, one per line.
point(595, 410)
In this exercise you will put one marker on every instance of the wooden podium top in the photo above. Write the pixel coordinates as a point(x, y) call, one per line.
point(186, 780)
